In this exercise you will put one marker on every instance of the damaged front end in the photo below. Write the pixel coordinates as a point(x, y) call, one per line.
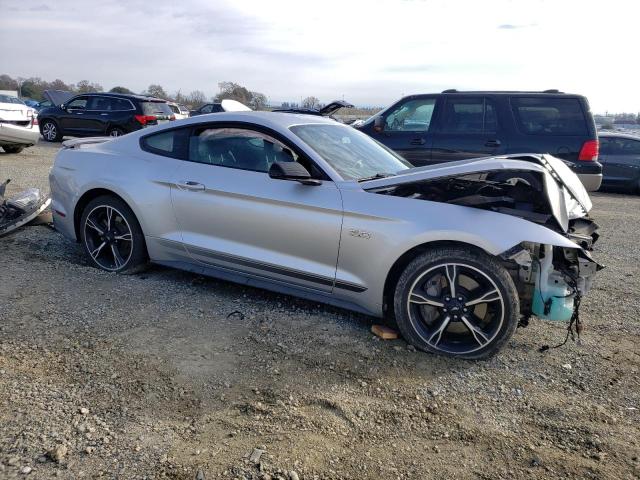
point(538, 188)
point(20, 209)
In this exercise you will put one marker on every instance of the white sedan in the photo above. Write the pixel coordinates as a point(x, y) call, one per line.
point(18, 124)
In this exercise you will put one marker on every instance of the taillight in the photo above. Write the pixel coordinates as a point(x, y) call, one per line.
point(172, 117)
point(589, 151)
point(144, 119)
point(34, 121)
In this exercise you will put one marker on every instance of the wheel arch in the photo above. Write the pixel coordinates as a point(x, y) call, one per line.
point(403, 260)
point(89, 195)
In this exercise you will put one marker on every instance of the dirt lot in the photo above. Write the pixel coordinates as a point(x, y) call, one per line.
point(155, 376)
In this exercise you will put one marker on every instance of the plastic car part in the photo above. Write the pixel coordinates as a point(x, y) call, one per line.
point(21, 208)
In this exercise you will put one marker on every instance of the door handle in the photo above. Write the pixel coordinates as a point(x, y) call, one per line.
point(189, 185)
point(418, 141)
point(104, 114)
point(493, 143)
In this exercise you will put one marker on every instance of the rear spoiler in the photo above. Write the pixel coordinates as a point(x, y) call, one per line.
point(80, 142)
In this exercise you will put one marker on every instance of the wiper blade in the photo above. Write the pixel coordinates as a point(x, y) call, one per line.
point(376, 176)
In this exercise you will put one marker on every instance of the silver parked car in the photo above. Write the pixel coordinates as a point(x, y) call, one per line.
point(458, 254)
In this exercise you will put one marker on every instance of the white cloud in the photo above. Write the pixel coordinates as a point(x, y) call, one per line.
point(370, 52)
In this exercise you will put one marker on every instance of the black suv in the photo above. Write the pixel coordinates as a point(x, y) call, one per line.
point(453, 125)
point(98, 114)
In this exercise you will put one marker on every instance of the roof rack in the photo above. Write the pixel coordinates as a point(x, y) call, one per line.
point(453, 90)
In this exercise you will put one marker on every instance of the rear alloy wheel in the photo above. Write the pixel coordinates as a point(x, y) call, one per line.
point(13, 148)
point(115, 132)
point(50, 131)
point(456, 302)
point(111, 236)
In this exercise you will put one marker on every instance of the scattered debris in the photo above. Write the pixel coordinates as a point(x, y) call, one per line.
point(57, 453)
point(567, 366)
point(21, 208)
point(200, 475)
point(384, 332)
point(255, 455)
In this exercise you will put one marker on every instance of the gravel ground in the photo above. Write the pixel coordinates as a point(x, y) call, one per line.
point(155, 376)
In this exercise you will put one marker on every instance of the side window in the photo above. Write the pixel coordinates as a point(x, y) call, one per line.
point(412, 116)
point(120, 104)
point(630, 147)
point(549, 116)
point(237, 148)
point(101, 104)
point(605, 146)
point(469, 115)
point(79, 103)
point(168, 143)
point(206, 109)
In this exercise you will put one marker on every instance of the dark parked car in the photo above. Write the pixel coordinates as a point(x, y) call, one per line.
point(99, 114)
point(325, 111)
point(620, 158)
point(452, 125)
point(226, 105)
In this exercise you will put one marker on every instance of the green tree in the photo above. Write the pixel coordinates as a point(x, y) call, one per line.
point(120, 90)
point(156, 91)
point(8, 83)
point(85, 86)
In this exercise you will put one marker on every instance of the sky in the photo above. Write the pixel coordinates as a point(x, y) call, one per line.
point(371, 52)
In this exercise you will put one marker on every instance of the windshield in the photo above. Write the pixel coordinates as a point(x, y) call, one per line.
point(351, 153)
point(10, 99)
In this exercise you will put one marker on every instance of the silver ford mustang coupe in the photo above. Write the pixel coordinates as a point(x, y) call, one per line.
point(457, 254)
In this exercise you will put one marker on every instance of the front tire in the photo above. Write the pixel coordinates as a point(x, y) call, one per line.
point(111, 236)
point(50, 131)
point(456, 302)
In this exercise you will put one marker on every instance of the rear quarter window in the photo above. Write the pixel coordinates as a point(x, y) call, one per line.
point(168, 143)
point(549, 116)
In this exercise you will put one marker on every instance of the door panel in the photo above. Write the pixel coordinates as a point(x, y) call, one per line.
point(246, 221)
point(469, 128)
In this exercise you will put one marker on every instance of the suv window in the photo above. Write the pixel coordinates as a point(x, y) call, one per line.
point(168, 143)
point(237, 148)
point(549, 116)
point(79, 103)
point(412, 116)
point(119, 104)
point(469, 115)
point(156, 108)
point(206, 109)
point(630, 147)
point(99, 103)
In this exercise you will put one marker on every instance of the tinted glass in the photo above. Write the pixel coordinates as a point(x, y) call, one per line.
point(120, 104)
point(206, 109)
point(156, 108)
point(99, 103)
point(411, 116)
point(630, 147)
point(174, 108)
point(169, 143)
point(237, 148)
point(549, 116)
point(351, 153)
point(79, 103)
point(469, 115)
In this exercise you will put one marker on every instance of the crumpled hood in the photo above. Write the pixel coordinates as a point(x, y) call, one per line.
point(567, 196)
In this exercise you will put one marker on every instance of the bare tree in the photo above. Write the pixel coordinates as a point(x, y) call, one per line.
point(310, 102)
point(196, 98)
point(156, 91)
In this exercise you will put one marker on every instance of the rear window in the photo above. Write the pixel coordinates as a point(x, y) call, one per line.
point(10, 99)
point(156, 108)
point(174, 108)
point(549, 116)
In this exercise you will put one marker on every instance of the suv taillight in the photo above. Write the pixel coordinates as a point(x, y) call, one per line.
point(589, 151)
point(144, 119)
point(34, 120)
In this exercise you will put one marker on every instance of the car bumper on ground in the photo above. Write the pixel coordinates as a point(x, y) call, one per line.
point(13, 134)
point(591, 181)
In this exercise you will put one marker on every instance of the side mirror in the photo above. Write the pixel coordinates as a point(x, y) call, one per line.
point(63, 106)
point(378, 124)
point(292, 171)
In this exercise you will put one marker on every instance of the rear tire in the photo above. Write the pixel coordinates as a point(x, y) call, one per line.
point(13, 148)
point(111, 236)
point(50, 131)
point(115, 132)
point(473, 320)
